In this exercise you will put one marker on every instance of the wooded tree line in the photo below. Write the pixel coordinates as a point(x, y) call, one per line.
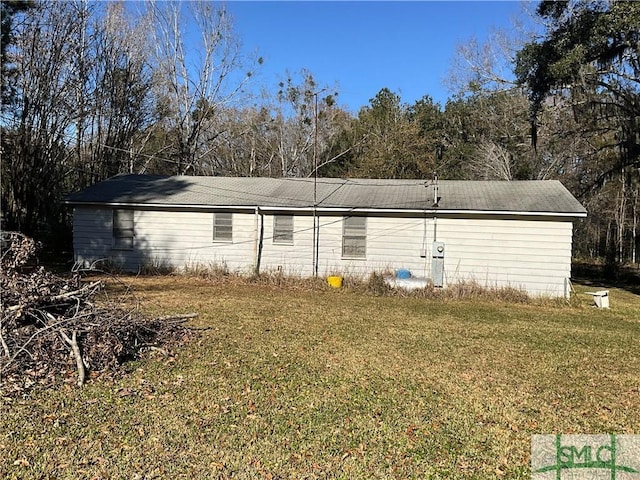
point(93, 89)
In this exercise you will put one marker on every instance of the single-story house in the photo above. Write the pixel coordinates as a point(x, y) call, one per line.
point(497, 233)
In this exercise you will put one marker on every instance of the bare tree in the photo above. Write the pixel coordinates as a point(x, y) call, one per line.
point(287, 135)
point(298, 122)
point(238, 144)
point(487, 65)
point(38, 127)
point(116, 79)
point(81, 88)
point(194, 78)
point(492, 162)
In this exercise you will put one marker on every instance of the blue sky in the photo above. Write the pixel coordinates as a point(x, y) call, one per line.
point(362, 47)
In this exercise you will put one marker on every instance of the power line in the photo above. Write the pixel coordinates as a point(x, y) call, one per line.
point(215, 245)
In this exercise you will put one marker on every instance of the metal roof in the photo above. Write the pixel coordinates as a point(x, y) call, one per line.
point(528, 197)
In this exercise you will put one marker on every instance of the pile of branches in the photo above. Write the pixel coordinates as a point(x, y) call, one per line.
point(54, 328)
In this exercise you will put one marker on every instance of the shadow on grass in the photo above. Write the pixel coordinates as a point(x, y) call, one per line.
point(622, 277)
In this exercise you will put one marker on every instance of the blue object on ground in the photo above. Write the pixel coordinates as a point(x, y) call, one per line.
point(403, 273)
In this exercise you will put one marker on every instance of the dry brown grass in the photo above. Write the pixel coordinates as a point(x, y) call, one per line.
point(297, 380)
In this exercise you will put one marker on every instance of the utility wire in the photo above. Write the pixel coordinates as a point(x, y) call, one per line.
point(214, 245)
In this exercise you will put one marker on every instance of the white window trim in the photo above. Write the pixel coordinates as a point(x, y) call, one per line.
point(279, 241)
point(120, 241)
point(213, 233)
point(363, 236)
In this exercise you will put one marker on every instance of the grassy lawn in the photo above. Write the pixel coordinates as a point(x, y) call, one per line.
point(308, 382)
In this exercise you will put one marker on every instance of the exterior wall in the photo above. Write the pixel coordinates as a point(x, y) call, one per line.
point(164, 238)
point(292, 259)
point(529, 253)
point(92, 235)
point(185, 239)
point(391, 243)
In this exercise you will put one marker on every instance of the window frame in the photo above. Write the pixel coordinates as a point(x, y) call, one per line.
point(280, 238)
point(350, 234)
point(123, 236)
point(219, 226)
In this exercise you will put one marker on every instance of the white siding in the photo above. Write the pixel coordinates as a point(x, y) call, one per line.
point(164, 238)
point(530, 254)
point(526, 253)
point(292, 259)
point(92, 235)
point(391, 243)
point(185, 238)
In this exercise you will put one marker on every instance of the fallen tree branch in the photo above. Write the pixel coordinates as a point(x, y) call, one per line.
point(46, 319)
point(86, 290)
point(185, 316)
point(5, 347)
point(75, 349)
point(83, 290)
point(159, 350)
point(23, 348)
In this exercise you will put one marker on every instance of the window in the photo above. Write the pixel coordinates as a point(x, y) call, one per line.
point(222, 227)
point(283, 229)
point(123, 229)
point(354, 237)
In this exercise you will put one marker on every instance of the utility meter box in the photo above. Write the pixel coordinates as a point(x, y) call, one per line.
point(437, 264)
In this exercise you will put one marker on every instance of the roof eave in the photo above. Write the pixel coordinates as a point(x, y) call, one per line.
point(420, 211)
